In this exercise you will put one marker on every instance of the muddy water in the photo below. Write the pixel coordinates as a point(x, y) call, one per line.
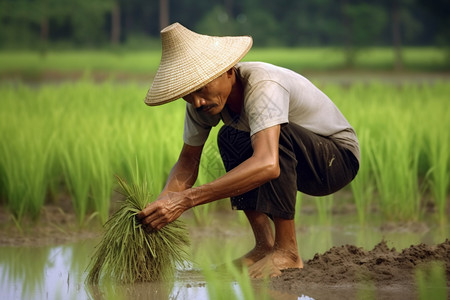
point(58, 272)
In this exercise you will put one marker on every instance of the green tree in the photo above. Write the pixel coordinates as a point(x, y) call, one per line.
point(217, 22)
point(403, 25)
point(306, 22)
point(18, 26)
point(439, 10)
point(88, 20)
point(115, 23)
point(258, 20)
point(352, 24)
point(365, 24)
point(29, 23)
point(140, 20)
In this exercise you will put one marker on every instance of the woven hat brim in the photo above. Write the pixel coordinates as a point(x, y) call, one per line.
point(187, 65)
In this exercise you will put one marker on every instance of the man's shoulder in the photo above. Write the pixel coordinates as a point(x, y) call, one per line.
point(255, 72)
point(256, 67)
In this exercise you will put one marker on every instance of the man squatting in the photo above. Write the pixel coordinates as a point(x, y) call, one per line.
point(280, 134)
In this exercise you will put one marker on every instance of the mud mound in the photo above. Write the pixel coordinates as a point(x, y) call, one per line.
point(349, 265)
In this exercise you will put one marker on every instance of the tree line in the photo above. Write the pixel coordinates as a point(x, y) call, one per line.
point(40, 24)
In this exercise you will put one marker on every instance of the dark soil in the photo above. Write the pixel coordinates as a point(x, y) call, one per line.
point(343, 272)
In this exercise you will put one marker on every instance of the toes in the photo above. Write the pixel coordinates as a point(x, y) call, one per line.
point(256, 274)
point(275, 273)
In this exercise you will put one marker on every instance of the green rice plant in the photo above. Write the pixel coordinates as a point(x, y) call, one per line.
point(102, 182)
point(362, 186)
point(394, 159)
point(395, 172)
point(130, 252)
point(87, 148)
point(146, 150)
point(394, 125)
point(298, 206)
point(84, 132)
point(78, 175)
point(324, 207)
point(28, 160)
point(130, 152)
point(364, 115)
point(438, 148)
point(150, 137)
point(23, 161)
point(431, 281)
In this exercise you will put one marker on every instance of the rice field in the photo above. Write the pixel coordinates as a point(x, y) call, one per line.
point(32, 65)
point(74, 137)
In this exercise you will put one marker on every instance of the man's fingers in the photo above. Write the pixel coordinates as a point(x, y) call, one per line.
point(155, 215)
point(155, 222)
point(147, 211)
point(149, 219)
point(152, 217)
point(142, 214)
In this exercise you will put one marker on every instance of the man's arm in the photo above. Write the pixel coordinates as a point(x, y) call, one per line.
point(261, 167)
point(185, 171)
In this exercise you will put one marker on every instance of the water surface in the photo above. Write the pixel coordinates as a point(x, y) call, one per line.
point(59, 271)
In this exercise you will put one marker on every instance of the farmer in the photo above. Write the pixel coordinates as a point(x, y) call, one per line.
point(280, 134)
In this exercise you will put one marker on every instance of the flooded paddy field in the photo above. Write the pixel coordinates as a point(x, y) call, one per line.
point(343, 260)
point(350, 253)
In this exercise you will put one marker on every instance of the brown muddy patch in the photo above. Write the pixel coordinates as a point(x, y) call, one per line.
point(347, 269)
point(55, 226)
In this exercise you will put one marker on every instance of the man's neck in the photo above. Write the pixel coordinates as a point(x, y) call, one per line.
point(236, 97)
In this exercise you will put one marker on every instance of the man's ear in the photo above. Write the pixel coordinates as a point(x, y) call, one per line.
point(230, 72)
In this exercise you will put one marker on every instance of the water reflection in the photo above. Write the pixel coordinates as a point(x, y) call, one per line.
point(58, 272)
point(23, 270)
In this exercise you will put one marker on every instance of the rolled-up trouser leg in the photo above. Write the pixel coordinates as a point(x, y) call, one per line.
point(310, 163)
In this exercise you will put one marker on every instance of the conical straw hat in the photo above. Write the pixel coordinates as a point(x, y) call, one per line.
point(190, 60)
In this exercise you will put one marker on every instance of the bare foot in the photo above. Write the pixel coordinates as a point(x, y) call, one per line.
point(258, 253)
point(273, 263)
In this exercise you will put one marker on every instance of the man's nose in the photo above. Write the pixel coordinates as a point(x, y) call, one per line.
point(197, 101)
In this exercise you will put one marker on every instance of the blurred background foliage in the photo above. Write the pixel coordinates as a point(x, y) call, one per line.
point(60, 24)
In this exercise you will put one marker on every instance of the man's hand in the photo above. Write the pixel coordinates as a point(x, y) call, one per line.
point(167, 208)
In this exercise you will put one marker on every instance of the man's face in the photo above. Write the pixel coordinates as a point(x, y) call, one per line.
point(212, 97)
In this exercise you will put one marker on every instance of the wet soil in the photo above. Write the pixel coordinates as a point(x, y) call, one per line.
point(55, 226)
point(347, 269)
point(342, 272)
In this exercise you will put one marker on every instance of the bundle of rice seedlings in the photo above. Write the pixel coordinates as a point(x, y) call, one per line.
point(130, 252)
